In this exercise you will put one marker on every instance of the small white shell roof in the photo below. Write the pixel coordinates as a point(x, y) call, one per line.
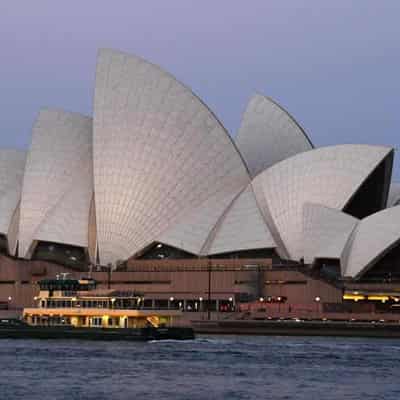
point(158, 152)
point(325, 232)
point(57, 185)
point(242, 227)
point(192, 231)
point(328, 176)
point(370, 240)
point(394, 194)
point(12, 164)
point(268, 134)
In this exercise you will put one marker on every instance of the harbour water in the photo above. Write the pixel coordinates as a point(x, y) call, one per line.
point(223, 367)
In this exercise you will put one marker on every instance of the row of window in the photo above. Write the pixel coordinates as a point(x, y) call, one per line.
point(118, 304)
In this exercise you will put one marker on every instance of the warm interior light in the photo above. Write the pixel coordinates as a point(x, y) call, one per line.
point(353, 297)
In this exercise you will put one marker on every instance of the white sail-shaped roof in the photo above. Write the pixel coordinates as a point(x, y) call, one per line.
point(394, 195)
point(12, 164)
point(57, 185)
point(159, 153)
point(269, 134)
point(325, 232)
point(242, 227)
point(370, 241)
point(329, 176)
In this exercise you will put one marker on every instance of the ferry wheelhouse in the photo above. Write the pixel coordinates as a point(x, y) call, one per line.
point(78, 303)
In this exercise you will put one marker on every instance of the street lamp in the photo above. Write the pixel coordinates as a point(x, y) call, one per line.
point(230, 303)
point(201, 303)
point(317, 301)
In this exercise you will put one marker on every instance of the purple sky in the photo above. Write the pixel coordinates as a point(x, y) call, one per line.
point(335, 66)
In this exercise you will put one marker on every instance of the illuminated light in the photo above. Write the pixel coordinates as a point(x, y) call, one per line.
point(200, 299)
point(112, 300)
point(171, 299)
point(261, 299)
point(353, 297)
point(355, 292)
point(230, 299)
point(379, 298)
point(9, 298)
point(35, 298)
point(318, 299)
point(73, 299)
point(159, 246)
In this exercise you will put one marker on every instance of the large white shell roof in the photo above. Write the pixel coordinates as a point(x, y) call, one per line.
point(328, 176)
point(158, 153)
point(57, 185)
point(370, 240)
point(269, 134)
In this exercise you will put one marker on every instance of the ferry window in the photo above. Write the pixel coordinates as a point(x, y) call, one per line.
point(110, 321)
point(96, 321)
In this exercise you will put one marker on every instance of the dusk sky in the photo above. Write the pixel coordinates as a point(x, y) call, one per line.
point(334, 65)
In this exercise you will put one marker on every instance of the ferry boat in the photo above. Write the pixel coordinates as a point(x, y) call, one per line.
point(71, 308)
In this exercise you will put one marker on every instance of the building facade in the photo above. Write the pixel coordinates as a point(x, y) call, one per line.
point(154, 190)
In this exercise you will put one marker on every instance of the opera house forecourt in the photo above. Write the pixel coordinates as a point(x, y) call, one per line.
point(152, 194)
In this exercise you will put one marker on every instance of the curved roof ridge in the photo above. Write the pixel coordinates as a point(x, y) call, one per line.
point(290, 116)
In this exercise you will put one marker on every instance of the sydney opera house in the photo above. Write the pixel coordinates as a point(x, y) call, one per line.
point(152, 193)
